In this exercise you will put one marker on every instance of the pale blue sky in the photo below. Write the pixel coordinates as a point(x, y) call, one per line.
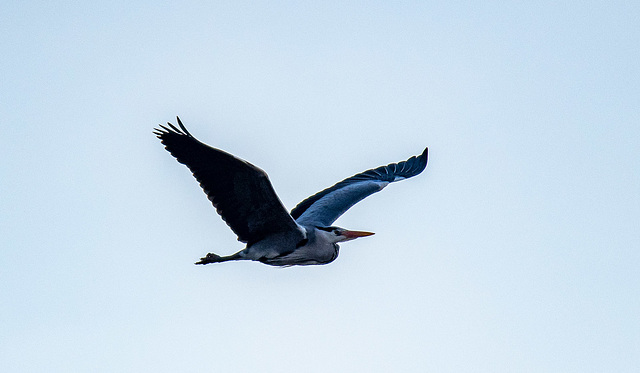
point(517, 250)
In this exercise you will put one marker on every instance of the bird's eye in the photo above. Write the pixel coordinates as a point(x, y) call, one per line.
point(336, 232)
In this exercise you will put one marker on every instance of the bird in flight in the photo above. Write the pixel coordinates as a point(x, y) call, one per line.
point(245, 199)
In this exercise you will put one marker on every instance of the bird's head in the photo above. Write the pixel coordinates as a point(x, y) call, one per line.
point(337, 234)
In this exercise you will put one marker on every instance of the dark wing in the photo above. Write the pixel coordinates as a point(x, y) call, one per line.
point(241, 192)
point(324, 207)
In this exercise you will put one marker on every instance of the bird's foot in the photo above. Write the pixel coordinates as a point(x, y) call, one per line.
point(210, 258)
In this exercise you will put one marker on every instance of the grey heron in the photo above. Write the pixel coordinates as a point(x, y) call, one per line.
point(245, 199)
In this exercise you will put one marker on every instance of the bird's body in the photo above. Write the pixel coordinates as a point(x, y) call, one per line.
point(247, 202)
point(281, 250)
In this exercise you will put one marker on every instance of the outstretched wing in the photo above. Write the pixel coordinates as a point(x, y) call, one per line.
point(241, 192)
point(324, 207)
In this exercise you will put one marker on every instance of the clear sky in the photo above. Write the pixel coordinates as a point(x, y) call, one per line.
point(517, 250)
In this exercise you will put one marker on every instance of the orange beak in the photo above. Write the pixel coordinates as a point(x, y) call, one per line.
point(351, 235)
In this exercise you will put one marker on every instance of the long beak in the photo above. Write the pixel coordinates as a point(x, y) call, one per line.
point(350, 235)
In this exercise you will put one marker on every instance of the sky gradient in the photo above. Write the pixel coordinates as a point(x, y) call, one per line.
point(517, 250)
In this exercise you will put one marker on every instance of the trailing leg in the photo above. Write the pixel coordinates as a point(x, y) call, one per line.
point(215, 258)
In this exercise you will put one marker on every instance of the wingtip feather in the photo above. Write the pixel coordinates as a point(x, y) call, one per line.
point(174, 127)
point(425, 156)
point(183, 127)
